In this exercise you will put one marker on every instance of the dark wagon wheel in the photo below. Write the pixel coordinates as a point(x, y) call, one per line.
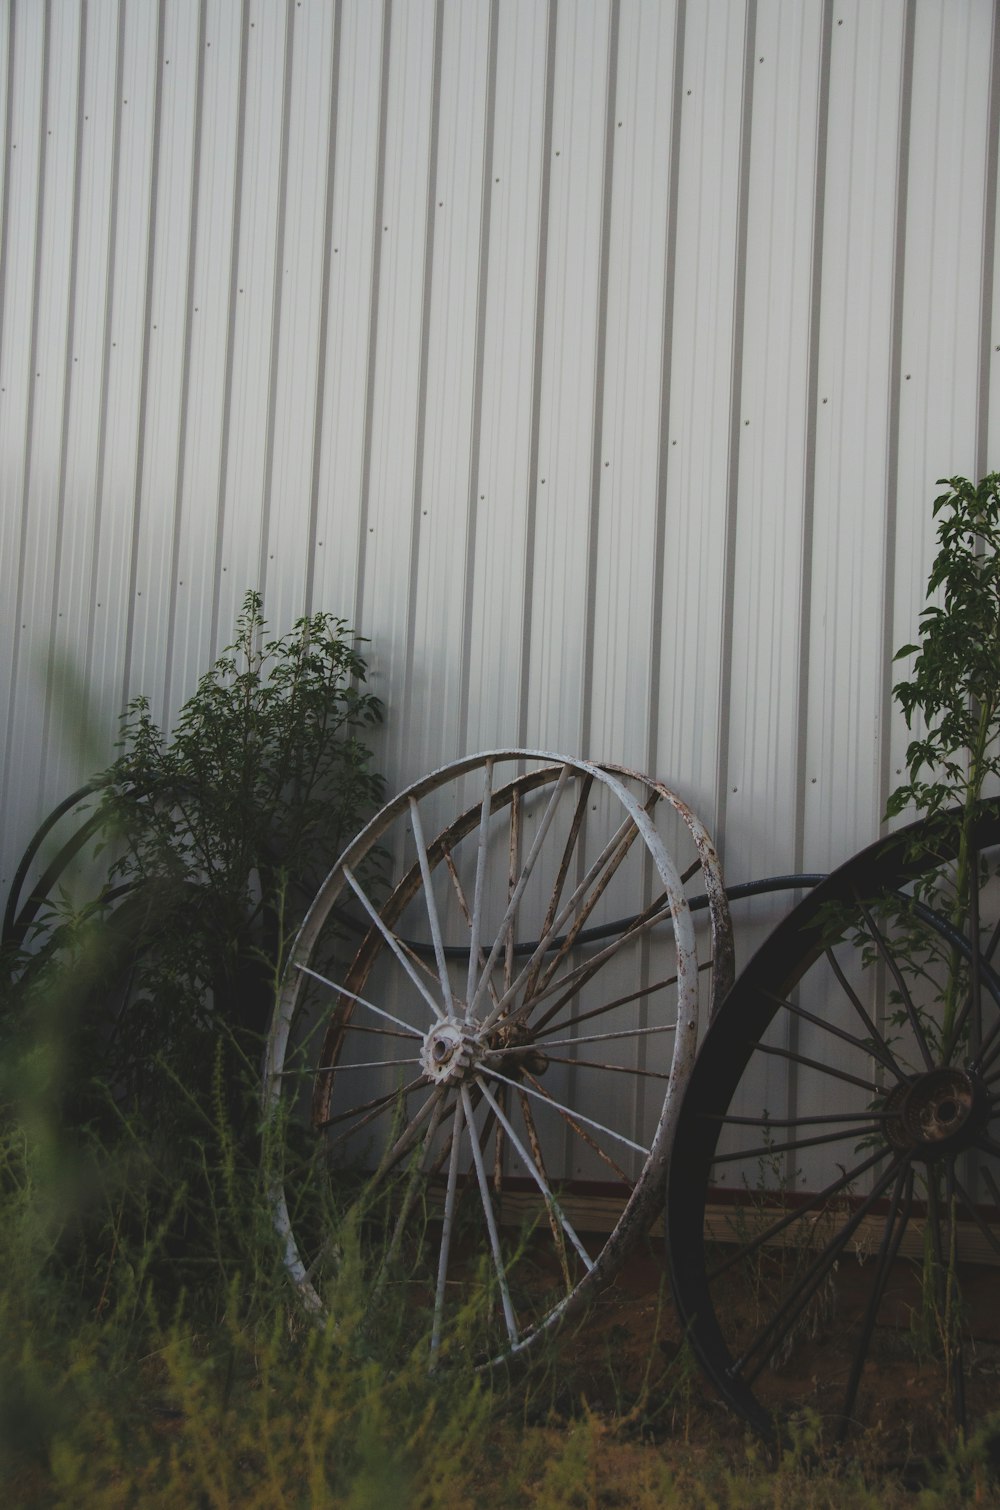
point(836, 1211)
point(497, 1065)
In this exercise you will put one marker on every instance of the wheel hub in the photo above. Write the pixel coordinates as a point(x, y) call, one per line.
point(936, 1112)
point(449, 1052)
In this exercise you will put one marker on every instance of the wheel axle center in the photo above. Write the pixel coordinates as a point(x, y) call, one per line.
point(934, 1110)
point(449, 1052)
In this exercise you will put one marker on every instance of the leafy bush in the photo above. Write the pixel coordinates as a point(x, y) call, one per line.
point(132, 1025)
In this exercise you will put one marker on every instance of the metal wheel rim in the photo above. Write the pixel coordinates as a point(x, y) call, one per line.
point(761, 996)
point(553, 780)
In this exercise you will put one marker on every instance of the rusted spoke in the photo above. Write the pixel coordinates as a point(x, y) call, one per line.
point(376, 1105)
point(526, 1160)
point(545, 1021)
point(560, 880)
point(466, 913)
point(430, 902)
point(615, 1069)
point(476, 921)
point(582, 1133)
point(414, 1181)
point(558, 1106)
point(394, 944)
point(603, 879)
point(572, 983)
point(536, 1154)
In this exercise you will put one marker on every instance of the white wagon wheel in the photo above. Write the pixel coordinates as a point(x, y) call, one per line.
point(514, 1028)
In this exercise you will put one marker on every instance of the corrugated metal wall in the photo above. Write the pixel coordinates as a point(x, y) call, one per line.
point(595, 358)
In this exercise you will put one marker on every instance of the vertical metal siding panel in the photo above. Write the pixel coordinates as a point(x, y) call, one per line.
point(773, 487)
point(202, 478)
point(432, 695)
point(253, 336)
point(388, 565)
point(626, 590)
point(502, 535)
point(156, 586)
point(39, 505)
point(290, 542)
point(687, 697)
point(339, 511)
point(988, 450)
point(25, 198)
point(115, 587)
point(937, 395)
point(88, 748)
point(569, 356)
point(846, 676)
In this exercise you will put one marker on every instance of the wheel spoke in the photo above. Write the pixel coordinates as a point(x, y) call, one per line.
point(327, 1069)
point(991, 1237)
point(361, 1001)
point(375, 1106)
point(765, 1150)
point(817, 1064)
point(558, 1043)
point(615, 1069)
point(573, 982)
point(870, 1048)
point(560, 881)
point(539, 1162)
point(989, 1049)
point(406, 1140)
point(547, 942)
point(878, 1046)
point(491, 1225)
point(479, 885)
point(892, 1236)
point(987, 1175)
point(507, 921)
point(539, 1181)
point(513, 870)
point(446, 1228)
point(565, 1110)
point(582, 1133)
point(394, 944)
point(580, 913)
point(544, 1025)
point(947, 1287)
point(431, 905)
point(789, 1311)
point(890, 962)
point(417, 1174)
point(796, 1213)
point(766, 1120)
point(466, 913)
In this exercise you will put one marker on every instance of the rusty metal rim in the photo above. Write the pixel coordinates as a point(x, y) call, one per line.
point(758, 996)
point(553, 769)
